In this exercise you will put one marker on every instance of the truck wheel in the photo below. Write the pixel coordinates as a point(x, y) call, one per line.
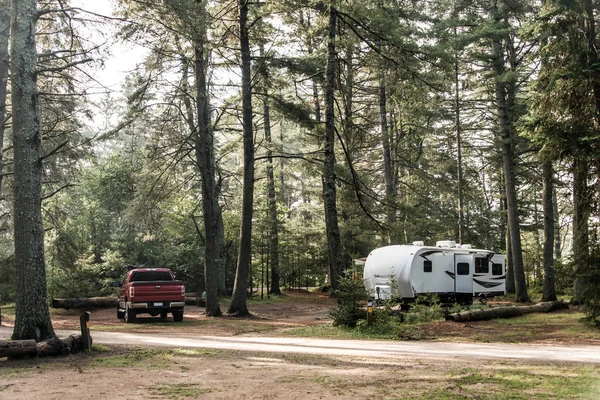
point(178, 316)
point(129, 315)
point(120, 314)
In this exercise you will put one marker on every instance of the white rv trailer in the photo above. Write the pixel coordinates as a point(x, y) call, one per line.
point(451, 272)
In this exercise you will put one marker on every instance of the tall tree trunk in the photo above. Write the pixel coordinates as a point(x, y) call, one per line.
point(581, 204)
point(461, 197)
point(390, 189)
point(510, 276)
point(4, 35)
point(221, 260)
point(329, 188)
point(206, 163)
point(272, 200)
point(205, 158)
point(509, 173)
point(32, 319)
point(548, 189)
point(557, 240)
point(388, 173)
point(238, 305)
point(593, 57)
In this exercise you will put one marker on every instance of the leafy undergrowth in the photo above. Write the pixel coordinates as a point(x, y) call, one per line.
point(561, 327)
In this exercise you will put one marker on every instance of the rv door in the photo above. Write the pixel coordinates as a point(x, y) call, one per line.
point(463, 273)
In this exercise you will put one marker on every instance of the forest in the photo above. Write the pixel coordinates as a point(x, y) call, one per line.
point(271, 143)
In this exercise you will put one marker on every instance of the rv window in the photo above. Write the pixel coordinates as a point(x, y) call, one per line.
point(427, 266)
point(482, 266)
point(496, 269)
point(462, 269)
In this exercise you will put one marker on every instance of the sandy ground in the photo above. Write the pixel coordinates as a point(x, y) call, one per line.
point(297, 308)
point(243, 375)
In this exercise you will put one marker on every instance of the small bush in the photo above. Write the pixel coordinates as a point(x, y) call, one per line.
point(591, 296)
point(426, 309)
point(349, 294)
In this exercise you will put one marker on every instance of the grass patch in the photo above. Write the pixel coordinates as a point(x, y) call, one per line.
point(7, 309)
point(149, 358)
point(338, 332)
point(146, 358)
point(520, 382)
point(182, 390)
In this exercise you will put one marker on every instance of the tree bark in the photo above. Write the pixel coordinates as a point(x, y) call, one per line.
point(32, 320)
point(581, 214)
point(238, 305)
point(557, 239)
point(388, 172)
point(548, 206)
point(205, 159)
point(5, 6)
point(329, 176)
point(272, 200)
point(461, 197)
point(508, 159)
point(510, 276)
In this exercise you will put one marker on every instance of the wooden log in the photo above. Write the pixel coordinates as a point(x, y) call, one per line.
point(91, 302)
point(50, 347)
point(506, 312)
point(53, 347)
point(195, 301)
point(106, 302)
point(17, 348)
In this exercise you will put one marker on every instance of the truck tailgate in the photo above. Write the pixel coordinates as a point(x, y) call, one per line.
point(157, 291)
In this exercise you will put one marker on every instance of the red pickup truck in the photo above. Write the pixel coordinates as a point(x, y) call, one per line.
point(150, 290)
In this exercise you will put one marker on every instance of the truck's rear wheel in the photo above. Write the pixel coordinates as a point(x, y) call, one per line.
point(129, 315)
point(120, 314)
point(178, 316)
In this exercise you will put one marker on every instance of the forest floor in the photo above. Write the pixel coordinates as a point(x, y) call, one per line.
point(156, 373)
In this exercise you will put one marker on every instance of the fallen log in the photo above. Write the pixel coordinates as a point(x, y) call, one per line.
point(106, 302)
point(50, 347)
point(195, 301)
point(17, 348)
point(91, 302)
point(506, 312)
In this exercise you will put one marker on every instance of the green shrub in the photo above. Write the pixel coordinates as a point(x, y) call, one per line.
point(349, 294)
point(427, 308)
point(591, 296)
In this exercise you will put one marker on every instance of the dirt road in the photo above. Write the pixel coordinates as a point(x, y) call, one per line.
point(360, 348)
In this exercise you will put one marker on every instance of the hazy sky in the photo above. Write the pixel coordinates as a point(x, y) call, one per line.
point(123, 57)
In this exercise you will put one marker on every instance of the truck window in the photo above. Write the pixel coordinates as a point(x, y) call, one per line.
point(496, 269)
point(482, 265)
point(146, 276)
point(427, 266)
point(462, 269)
